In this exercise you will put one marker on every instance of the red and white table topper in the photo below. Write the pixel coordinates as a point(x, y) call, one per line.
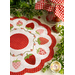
point(31, 45)
point(56, 6)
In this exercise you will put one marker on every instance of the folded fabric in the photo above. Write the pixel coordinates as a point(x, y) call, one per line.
point(56, 6)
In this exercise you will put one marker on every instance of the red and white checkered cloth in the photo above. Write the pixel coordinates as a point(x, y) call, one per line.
point(56, 6)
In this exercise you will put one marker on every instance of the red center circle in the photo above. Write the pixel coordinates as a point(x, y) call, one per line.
point(18, 41)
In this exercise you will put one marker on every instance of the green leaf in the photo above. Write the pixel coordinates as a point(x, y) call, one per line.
point(26, 7)
point(27, 56)
point(30, 54)
point(19, 25)
point(38, 40)
point(44, 69)
point(16, 61)
point(61, 71)
point(30, 2)
point(11, 27)
point(38, 50)
point(28, 28)
point(37, 32)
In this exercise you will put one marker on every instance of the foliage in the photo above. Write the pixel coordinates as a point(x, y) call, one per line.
point(59, 55)
point(24, 8)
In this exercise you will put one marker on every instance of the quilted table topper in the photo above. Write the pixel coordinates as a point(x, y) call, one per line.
point(31, 45)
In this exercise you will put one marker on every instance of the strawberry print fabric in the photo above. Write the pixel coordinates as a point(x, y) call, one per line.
point(31, 45)
point(56, 6)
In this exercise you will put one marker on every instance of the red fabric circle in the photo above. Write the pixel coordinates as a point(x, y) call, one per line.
point(18, 41)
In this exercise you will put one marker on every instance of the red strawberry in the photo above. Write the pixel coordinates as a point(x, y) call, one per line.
point(54, 29)
point(30, 58)
point(41, 51)
point(56, 19)
point(19, 23)
point(39, 31)
point(16, 63)
point(30, 26)
point(11, 26)
point(42, 40)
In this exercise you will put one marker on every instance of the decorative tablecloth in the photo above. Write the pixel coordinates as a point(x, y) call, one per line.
point(55, 6)
point(31, 45)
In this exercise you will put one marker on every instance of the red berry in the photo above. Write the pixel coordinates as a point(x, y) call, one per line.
point(21, 54)
point(31, 49)
point(34, 36)
point(39, 17)
point(30, 58)
point(29, 31)
point(15, 29)
point(21, 28)
point(13, 55)
point(54, 29)
point(34, 43)
point(56, 19)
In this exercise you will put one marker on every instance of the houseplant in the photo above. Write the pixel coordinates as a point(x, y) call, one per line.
point(24, 8)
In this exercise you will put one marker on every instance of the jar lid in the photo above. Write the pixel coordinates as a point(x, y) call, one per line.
point(55, 66)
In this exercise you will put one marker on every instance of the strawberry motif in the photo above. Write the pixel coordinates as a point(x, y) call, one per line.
point(41, 51)
point(30, 26)
point(16, 64)
point(39, 31)
point(19, 23)
point(42, 40)
point(11, 26)
point(30, 58)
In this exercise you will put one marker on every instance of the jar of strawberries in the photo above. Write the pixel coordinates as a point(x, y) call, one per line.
point(51, 17)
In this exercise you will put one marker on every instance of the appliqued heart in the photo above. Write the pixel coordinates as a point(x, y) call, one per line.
point(30, 26)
